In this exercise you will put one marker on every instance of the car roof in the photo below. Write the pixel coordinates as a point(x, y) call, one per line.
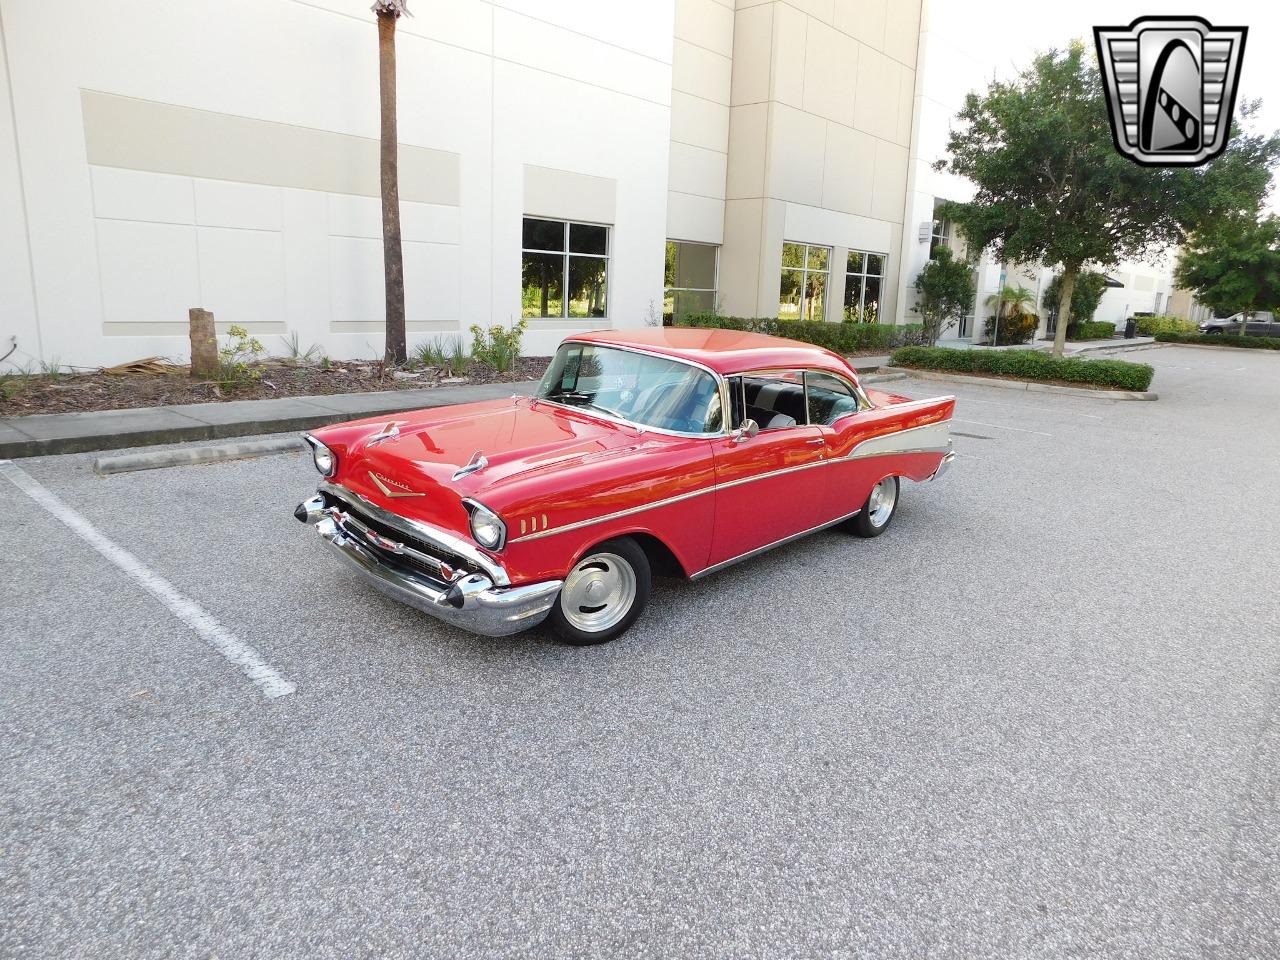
point(724, 351)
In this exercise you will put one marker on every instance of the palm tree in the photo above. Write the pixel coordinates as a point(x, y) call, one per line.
point(388, 12)
point(1009, 302)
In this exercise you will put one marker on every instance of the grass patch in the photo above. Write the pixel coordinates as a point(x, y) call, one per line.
point(1221, 340)
point(1028, 365)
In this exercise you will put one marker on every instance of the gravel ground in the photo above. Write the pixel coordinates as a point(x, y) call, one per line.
point(1038, 718)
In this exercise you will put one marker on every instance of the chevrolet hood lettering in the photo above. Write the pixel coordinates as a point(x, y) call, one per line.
point(392, 488)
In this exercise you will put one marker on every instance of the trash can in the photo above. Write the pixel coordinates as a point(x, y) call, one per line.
point(1130, 329)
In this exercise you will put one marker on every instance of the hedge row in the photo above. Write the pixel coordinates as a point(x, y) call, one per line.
point(1092, 330)
point(840, 337)
point(1221, 340)
point(1154, 326)
point(1028, 365)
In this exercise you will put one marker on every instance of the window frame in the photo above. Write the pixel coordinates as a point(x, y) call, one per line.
point(715, 277)
point(804, 270)
point(862, 280)
point(855, 391)
point(940, 235)
point(566, 256)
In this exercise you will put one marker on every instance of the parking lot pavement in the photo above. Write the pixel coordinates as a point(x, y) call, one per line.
point(1037, 718)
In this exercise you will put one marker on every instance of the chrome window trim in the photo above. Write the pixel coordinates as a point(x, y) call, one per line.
point(851, 455)
point(644, 428)
point(423, 531)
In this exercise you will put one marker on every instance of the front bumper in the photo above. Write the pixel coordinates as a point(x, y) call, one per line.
point(469, 601)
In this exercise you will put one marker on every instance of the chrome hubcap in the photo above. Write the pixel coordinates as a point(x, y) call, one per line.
point(598, 593)
point(881, 502)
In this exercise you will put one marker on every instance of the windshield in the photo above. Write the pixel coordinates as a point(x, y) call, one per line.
point(641, 389)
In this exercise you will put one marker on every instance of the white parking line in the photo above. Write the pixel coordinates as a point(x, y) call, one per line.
point(1001, 426)
point(188, 611)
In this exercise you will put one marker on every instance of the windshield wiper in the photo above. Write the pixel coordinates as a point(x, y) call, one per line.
point(587, 399)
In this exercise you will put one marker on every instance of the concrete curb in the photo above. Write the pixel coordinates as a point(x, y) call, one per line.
point(56, 433)
point(186, 456)
point(1027, 386)
point(883, 377)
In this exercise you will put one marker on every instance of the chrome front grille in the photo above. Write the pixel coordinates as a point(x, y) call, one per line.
point(441, 566)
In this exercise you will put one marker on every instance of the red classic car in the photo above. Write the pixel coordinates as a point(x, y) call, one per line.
point(678, 451)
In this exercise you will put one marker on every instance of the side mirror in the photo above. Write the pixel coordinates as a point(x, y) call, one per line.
point(745, 432)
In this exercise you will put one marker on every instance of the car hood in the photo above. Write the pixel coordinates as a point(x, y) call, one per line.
point(407, 462)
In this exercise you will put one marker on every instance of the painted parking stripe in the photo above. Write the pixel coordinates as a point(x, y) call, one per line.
point(188, 611)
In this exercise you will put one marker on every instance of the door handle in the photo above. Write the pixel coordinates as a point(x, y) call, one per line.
point(817, 442)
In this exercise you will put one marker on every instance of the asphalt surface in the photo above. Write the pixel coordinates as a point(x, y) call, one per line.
point(1037, 718)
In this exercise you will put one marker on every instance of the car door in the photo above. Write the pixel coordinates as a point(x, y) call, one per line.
point(839, 413)
point(1257, 325)
point(770, 486)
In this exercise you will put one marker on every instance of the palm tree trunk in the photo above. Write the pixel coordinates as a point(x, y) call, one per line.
point(1064, 309)
point(392, 251)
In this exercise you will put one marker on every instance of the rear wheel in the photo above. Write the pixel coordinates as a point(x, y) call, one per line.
point(603, 593)
point(878, 512)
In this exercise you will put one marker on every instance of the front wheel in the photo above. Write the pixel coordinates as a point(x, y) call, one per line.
point(877, 513)
point(603, 593)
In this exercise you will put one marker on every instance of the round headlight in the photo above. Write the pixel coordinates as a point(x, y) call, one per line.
point(488, 530)
point(323, 457)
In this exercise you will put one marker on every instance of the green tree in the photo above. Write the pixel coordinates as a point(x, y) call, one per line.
point(388, 12)
point(946, 288)
point(1052, 188)
point(1234, 267)
point(1089, 288)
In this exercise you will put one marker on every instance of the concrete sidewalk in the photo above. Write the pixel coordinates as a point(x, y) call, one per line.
point(52, 433)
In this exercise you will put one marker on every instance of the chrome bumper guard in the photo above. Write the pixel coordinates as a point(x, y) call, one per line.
point(947, 460)
point(463, 599)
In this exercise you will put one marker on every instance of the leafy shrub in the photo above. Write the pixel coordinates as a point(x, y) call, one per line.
point(498, 346)
point(1221, 340)
point(838, 337)
point(1028, 365)
point(1014, 328)
point(1085, 296)
point(237, 358)
point(1090, 330)
point(1150, 326)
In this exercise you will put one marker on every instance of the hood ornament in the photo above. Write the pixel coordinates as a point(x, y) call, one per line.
point(389, 432)
point(477, 463)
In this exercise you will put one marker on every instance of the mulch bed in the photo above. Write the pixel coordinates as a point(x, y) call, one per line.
point(82, 392)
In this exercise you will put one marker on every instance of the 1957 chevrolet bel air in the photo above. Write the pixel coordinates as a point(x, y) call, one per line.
point(679, 451)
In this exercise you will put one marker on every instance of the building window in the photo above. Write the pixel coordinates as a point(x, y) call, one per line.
point(803, 291)
point(564, 269)
point(940, 236)
point(863, 278)
point(690, 280)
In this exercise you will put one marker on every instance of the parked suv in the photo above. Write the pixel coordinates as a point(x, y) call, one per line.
point(1261, 324)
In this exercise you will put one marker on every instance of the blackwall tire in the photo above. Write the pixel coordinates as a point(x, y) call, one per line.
point(879, 510)
point(603, 593)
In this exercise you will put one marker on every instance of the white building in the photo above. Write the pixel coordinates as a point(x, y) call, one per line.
point(157, 156)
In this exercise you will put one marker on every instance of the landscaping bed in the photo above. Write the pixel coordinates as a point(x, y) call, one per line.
point(1029, 366)
point(1220, 340)
point(154, 383)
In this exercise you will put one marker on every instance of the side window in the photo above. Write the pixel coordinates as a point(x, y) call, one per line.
point(774, 400)
point(830, 398)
